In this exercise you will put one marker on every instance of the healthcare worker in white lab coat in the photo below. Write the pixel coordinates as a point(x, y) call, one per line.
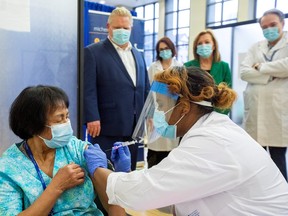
point(265, 69)
point(217, 169)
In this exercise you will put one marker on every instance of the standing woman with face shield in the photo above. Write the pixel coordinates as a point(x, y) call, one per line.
point(217, 169)
point(207, 57)
point(165, 59)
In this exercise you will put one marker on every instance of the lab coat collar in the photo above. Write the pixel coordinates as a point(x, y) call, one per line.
point(196, 125)
point(159, 65)
point(214, 117)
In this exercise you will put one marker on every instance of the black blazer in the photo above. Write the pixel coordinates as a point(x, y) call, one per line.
point(109, 93)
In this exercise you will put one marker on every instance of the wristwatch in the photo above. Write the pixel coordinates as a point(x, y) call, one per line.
point(257, 66)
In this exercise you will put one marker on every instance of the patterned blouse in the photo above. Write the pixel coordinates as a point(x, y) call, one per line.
point(20, 185)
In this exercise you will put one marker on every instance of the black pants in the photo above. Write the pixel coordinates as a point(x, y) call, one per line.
point(106, 144)
point(155, 157)
point(278, 155)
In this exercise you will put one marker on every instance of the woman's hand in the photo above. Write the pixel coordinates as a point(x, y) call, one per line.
point(68, 177)
point(121, 157)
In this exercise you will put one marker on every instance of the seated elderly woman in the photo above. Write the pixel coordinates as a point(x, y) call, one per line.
point(45, 174)
point(217, 169)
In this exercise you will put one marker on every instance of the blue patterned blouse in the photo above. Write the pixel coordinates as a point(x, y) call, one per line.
point(20, 185)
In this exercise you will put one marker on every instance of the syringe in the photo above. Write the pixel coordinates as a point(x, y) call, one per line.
point(127, 143)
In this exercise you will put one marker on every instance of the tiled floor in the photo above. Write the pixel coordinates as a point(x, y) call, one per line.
point(147, 213)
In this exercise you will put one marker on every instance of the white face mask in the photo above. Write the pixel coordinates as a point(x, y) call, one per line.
point(161, 125)
point(121, 36)
point(61, 135)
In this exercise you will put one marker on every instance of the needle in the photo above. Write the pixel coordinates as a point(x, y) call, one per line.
point(127, 143)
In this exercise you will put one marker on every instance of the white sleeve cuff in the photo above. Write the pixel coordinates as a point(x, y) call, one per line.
point(110, 188)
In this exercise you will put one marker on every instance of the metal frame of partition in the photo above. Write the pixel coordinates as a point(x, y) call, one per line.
point(80, 66)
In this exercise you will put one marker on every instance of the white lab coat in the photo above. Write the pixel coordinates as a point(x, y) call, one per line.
point(217, 170)
point(266, 94)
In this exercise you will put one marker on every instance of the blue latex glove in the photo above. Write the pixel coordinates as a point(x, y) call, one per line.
point(95, 158)
point(121, 157)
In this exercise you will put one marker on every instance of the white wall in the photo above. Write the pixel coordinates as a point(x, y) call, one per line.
point(45, 54)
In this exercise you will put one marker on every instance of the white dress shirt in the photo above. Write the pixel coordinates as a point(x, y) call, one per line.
point(127, 59)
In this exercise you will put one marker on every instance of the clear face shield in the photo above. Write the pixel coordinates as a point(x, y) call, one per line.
point(155, 115)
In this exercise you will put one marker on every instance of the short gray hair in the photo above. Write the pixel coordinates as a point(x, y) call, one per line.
point(121, 11)
point(275, 11)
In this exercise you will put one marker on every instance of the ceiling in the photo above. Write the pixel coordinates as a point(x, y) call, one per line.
point(127, 3)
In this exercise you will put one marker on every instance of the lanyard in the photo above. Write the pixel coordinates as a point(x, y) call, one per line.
point(269, 59)
point(30, 155)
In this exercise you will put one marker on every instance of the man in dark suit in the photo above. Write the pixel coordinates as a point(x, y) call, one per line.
point(115, 85)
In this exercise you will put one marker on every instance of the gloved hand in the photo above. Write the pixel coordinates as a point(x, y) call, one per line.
point(121, 157)
point(95, 158)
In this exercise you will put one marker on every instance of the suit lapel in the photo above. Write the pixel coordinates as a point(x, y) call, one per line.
point(111, 49)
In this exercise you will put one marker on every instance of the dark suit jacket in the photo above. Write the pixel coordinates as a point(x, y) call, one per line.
point(109, 93)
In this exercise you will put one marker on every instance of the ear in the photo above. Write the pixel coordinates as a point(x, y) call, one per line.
point(110, 32)
point(185, 107)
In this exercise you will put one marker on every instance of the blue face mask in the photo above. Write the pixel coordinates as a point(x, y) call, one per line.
point(204, 50)
point(61, 135)
point(121, 36)
point(165, 54)
point(162, 127)
point(271, 34)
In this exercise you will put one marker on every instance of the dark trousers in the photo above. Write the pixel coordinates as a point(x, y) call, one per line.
point(278, 155)
point(155, 157)
point(106, 144)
